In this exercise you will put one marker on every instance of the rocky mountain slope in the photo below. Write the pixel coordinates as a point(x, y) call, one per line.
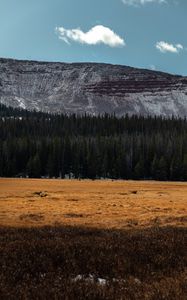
point(91, 88)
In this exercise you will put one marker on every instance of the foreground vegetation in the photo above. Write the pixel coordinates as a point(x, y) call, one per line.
point(37, 144)
point(94, 240)
point(44, 263)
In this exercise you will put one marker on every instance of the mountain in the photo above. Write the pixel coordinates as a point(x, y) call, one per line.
point(91, 88)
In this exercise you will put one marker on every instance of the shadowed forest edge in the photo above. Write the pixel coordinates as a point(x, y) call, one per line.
point(35, 144)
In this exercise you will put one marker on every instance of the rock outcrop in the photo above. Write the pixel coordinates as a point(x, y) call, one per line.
point(91, 88)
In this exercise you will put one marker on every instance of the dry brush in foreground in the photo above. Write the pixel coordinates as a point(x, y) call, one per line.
point(42, 263)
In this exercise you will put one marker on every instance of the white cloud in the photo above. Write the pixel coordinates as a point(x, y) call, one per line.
point(165, 47)
point(152, 67)
point(142, 2)
point(96, 35)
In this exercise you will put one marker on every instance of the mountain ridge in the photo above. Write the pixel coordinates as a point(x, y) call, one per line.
point(93, 88)
point(84, 63)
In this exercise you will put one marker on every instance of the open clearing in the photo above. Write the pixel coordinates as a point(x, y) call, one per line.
point(101, 204)
point(94, 240)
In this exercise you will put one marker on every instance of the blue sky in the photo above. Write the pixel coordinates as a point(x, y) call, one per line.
point(140, 33)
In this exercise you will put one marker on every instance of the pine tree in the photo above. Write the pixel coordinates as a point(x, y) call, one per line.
point(34, 167)
point(139, 170)
point(161, 173)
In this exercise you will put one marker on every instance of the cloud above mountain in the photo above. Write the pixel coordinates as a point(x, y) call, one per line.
point(165, 47)
point(142, 2)
point(96, 35)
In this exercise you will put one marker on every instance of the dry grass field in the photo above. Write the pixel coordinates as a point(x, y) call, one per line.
point(101, 204)
point(93, 240)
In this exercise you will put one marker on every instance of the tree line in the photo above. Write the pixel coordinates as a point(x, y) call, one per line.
point(37, 144)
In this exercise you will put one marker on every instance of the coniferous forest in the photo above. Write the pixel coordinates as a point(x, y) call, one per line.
point(36, 144)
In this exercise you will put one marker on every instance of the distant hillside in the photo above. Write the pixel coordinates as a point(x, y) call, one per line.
point(91, 88)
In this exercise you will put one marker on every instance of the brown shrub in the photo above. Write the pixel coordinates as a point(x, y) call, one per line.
point(40, 263)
